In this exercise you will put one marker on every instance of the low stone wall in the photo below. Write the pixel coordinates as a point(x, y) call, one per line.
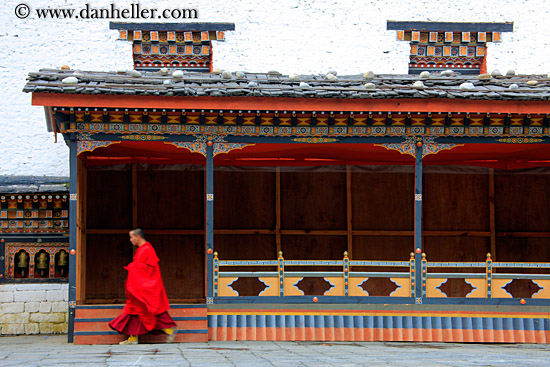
point(33, 309)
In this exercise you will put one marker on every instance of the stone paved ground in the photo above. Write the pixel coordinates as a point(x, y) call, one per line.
point(31, 351)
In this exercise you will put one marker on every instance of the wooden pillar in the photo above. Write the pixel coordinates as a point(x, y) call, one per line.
point(209, 222)
point(418, 221)
point(278, 210)
point(72, 233)
point(349, 211)
point(134, 197)
point(492, 213)
point(81, 232)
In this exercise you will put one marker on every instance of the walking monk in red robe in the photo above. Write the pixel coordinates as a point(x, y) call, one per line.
point(146, 301)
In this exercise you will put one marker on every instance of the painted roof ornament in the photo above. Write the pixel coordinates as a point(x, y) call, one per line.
point(459, 46)
point(176, 46)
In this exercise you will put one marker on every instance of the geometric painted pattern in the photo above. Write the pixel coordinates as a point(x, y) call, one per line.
point(430, 147)
point(316, 129)
point(305, 131)
point(217, 141)
point(408, 146)
point(433, 50)
point(85, 143)
point(40, 213)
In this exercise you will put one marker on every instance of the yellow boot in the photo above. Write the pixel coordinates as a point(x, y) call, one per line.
point(171, 332)
point(132, 340)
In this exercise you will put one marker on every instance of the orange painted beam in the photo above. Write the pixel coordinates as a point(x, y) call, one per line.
point(291, 104)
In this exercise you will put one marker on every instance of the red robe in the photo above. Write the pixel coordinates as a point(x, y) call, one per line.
point(145, 293)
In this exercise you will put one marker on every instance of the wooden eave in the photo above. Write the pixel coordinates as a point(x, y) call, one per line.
point(435, 105)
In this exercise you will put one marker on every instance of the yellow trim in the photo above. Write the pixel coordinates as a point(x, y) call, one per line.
point(545, 291)
point(289, 287)
point(481, 288)
point(355, 289)
point(224, 290)
point(404, 289)
point(338, 286)
point(432, 289)
point(273, 289)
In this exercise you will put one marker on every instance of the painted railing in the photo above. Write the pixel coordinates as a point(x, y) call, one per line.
point(342, 282)
point(491, 282)
point(488, 282)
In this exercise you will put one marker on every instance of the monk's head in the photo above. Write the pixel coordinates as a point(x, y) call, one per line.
point(137, 237)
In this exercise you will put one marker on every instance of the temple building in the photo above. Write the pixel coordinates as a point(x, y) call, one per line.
point(310, 207)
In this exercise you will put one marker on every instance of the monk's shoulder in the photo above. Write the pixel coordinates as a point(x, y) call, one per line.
point(147, 253)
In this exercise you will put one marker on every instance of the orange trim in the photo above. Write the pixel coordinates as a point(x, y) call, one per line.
point(292, 104)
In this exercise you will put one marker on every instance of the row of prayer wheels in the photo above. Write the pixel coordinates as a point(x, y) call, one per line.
point(25, 267)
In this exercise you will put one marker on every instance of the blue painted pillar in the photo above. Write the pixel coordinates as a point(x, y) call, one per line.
point(418, 281)
point(72, 234)
point(209, 222)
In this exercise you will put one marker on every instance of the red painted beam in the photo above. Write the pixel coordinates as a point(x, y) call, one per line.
point(291, 104)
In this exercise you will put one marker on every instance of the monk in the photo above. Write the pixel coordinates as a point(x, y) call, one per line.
point(147, 305)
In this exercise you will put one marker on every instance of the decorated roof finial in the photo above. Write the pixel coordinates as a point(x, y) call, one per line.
point(436, 46)
point(176, 46)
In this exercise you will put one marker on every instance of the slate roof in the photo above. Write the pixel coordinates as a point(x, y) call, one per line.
point(33, 184)
point(198, 27)
point(273, 84)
